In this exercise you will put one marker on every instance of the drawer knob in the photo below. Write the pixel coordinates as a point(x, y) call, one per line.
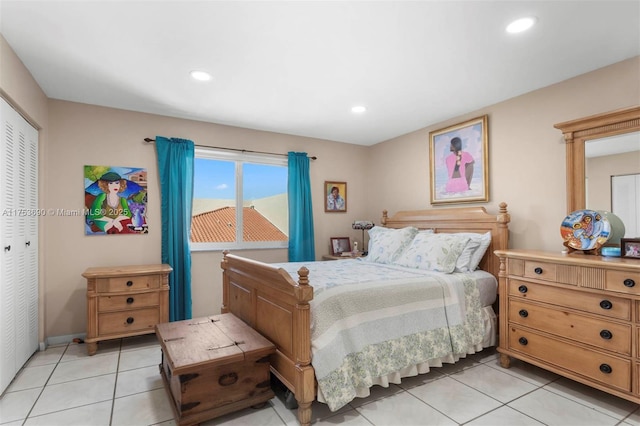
point(629, 283)
point(129, 300)
point(129, 283)
point(523, 313)
point(523, 289)
point(7, 248)
point(606, 334)
point(606, 368)
point(130, 320)
point(538, 270)
point(606, 304)
point(228, 379)
point(523, 341)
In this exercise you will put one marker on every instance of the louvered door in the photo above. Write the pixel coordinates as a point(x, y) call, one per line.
point(18, 241)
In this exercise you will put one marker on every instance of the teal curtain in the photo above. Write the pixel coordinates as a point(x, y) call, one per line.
point(175, 168)
point(301, 240)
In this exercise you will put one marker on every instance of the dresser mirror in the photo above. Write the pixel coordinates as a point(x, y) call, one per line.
point(609, 134)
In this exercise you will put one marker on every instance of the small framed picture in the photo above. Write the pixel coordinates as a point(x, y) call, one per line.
point(335, 197)
point(340, 245)
point(630, 247)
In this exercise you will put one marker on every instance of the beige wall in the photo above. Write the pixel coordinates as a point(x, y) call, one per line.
point(526, 153)
point(526, 160)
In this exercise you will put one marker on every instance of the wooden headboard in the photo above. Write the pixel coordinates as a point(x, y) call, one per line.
point(453, 220)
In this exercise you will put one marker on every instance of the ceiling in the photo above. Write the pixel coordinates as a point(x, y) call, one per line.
point(298, 67)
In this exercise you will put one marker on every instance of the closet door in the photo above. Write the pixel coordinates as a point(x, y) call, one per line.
point(19, 242)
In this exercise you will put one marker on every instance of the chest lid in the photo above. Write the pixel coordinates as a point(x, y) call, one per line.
point(219, 339)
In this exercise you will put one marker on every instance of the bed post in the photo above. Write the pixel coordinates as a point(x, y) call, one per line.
point(305, 378)
point(225, 284)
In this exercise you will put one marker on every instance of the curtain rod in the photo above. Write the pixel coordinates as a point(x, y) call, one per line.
point(149, 140)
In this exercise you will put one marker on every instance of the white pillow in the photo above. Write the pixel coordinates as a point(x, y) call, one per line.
point(433, 252)
point(386, 244)
point(473, 252)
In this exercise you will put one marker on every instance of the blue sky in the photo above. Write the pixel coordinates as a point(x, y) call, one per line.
point(216, 179)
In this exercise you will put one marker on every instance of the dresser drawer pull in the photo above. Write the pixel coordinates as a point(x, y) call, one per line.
point(129, 283)
point(129, 300)
point(606, 368)
point(606, 304)
point(228, 379)
point(523, 289)
point(538, 270)
point(523, 313)
point(523, 341)
point(130, 320)
point(606, 334)
point(629, 283)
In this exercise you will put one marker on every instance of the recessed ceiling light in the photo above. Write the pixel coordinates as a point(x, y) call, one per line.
point(200, 75)
point(358, 109)
point(520, 25)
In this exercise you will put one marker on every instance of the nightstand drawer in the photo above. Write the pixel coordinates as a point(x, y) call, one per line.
point(130, 283)
point(132, 301)
point(128, 321)
point(607, 305)
point(610, 370)
point(594, 331)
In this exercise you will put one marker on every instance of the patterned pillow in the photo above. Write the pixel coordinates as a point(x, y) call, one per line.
point(386, 244)
point(473, 252)
point(433, 252)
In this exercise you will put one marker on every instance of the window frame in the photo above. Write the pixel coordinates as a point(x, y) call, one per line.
point(239, 158)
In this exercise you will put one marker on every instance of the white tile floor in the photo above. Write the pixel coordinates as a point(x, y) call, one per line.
point(121, 385)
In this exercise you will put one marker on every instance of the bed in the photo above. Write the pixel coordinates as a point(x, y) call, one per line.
point(277, 300)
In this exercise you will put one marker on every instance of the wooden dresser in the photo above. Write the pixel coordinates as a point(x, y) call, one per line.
point(125, 301)
point(574, 314)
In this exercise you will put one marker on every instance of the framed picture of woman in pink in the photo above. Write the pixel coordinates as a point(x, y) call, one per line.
point(458, 163)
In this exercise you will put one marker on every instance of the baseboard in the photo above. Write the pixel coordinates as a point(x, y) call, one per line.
point(60, 340)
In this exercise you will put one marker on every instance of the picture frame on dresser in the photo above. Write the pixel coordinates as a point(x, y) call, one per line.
point(630, 248)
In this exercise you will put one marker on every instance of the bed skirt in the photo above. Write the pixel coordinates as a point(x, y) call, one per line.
point(490, 339)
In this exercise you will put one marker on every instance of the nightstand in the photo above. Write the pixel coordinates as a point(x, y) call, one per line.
point(332, 257)
point(125, 301)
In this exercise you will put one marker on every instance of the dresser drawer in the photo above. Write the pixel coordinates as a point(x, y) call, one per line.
point(581, 328)
point(128, 301)
point(131, 283)
point(540, 270)
point(128, 321)
point(606, 369)
point(622, 281)
point(607, 305)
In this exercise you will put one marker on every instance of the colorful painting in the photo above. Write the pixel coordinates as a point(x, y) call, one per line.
point(115, 200)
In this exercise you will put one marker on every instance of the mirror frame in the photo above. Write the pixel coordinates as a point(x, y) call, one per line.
point(577, 132)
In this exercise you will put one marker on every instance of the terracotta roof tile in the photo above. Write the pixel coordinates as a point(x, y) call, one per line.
point(219, 226)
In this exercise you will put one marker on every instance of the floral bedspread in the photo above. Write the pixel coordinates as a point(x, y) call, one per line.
point(369, 320)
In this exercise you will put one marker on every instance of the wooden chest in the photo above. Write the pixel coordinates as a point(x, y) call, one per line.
point(212, 366)
point(125, 301)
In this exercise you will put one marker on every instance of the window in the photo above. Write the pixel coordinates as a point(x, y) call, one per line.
point(239, 201)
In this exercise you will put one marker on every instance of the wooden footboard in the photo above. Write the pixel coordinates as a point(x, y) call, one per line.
point(271, 302)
